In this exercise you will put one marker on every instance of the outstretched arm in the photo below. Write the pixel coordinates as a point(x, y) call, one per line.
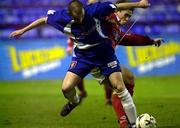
point(35, 24)
point(130, 5)
point(139, 40)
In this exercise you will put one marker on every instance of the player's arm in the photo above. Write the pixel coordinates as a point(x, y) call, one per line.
point(138, 40)
point(106, 8)
point(129, 5)
point(69, 46)
point(35, 24)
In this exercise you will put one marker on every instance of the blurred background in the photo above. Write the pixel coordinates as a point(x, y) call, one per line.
point(32, 69)
point(41, 53)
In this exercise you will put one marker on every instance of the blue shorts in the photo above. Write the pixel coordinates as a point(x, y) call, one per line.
point(83, 68)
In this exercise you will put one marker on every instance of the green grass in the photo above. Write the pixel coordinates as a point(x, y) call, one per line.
point(36, 104)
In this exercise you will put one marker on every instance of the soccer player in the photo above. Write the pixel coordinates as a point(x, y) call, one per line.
point(112, 24)
point(119, 38)
point(82, 92)
point(93, 48)
point(80, 86)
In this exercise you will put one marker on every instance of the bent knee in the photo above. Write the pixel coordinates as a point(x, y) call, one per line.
point(119, 87)
point(67, 86)
point(128, 78)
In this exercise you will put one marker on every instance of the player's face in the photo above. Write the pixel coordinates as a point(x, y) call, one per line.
point(124, 16)
point(78, 17)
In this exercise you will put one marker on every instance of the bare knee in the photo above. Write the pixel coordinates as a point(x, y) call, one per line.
point(120, 87)
point(67, 86)
point(70, 81)
point(117, 81)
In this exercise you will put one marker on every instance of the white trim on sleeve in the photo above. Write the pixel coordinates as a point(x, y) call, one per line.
point(112, 5)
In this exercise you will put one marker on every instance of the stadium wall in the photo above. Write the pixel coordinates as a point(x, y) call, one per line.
point(47, 58)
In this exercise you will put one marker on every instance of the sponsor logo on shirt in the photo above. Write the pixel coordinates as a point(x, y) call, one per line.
point(73, 64)
point(112, 64)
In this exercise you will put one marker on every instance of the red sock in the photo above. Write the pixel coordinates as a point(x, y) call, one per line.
point(130, 88)
point(80, 86)
point(108, 92)
point(119, 110)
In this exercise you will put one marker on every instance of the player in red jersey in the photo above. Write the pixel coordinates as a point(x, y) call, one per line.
point(128, 76)
point(119, 38)
point(112, 25)
point(77, 14)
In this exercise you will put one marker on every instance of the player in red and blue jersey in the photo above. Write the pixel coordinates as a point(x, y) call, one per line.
point(119, 38)
point(112, 25)
point(93, 48)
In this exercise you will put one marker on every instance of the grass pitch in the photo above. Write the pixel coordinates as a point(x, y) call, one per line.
point(36, 104)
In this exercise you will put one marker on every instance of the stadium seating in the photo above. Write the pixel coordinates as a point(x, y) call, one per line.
point(162, 17)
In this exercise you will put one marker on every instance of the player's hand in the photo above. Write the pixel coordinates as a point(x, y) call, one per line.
point(16, 34)
point(144, 3)
point(158, 41)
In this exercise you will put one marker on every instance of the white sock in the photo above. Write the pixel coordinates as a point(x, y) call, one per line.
point(128, 105)
point(72, 96)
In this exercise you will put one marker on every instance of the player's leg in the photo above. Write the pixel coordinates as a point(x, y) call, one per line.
point(76, 72)
point(117, 106)
point(68, 89)
point(82, 91)
point(119, 110)
point(126, 99)
point(128, 78)
point(108, 93)
point(96, 73)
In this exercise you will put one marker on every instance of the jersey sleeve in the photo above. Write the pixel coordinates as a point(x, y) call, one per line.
point(54, 19)
point(69, 44)
point(103, 9)
point(135, 40)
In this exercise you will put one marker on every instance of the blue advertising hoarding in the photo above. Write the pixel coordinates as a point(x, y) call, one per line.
point(47, 58)
point(151, 60)
point(33, 59)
